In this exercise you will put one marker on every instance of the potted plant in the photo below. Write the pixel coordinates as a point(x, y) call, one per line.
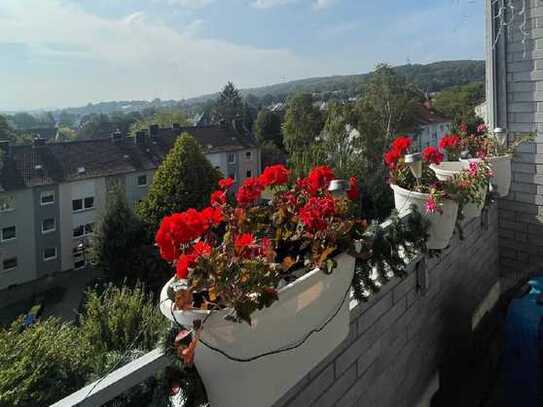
point(415, 183)
point(495, 149)
point(261, 288)
point(451, 145)
point(471, 186)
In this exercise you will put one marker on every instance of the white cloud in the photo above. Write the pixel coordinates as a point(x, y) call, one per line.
point(191, 3)
point(271, 3)
point(322, 4)
point(135, 57)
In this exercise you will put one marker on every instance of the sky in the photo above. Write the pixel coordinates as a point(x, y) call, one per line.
point(60, 53)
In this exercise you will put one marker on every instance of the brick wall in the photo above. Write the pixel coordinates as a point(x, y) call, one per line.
point(515, 95)
point(403, 336)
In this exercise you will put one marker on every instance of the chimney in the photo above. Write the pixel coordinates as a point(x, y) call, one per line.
point(153, 131)
point(140, 137)
point(428, 103)
point(116, 136)
point(38, 141)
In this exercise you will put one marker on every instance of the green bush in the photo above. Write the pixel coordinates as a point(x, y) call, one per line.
point(120, 320)
point(40, 364)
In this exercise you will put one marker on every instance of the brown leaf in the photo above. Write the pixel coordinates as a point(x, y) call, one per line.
point(183, 299)
point(325, 254)
point(287, 263)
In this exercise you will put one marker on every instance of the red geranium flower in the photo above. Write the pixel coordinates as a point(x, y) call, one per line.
point(392, 157)
point(164, 240)
point(218, 198)
point(201, 249)
point(226, 183)
point(318, 179)
point(354, 191)
point(450, 142)
point(274, 175)
point(401, 144)
point(432, 155)
point(243, 241)
point(184, 262)
point(249, 192)
point(212, 216)
point(315, 212)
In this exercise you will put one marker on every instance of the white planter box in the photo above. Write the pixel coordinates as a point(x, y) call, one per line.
point(501, 166)
point(441, 224)
point(304, 306)
point(447, 169)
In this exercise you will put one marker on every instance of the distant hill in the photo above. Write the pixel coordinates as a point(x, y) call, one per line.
point(428, 77)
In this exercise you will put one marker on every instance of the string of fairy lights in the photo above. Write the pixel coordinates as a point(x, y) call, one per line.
point(508, 14)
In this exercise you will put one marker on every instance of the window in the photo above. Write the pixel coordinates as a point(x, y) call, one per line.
point(248, 155)
point(142, 180)
point(89, 202)
point(47, 198)
point(9, 233)
point(231, 158)
point(48, 225)
point(248, 174)
point(79, 262)
point(77, 205)
point(9, 264)
point(7, 203)
point(82, 204)
point(50, 253)
point(83, 230)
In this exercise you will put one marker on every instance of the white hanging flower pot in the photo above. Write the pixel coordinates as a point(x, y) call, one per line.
point(447, 169)
point(255, 365)
point(441, 224)
point(472, 210)
point(501, 167)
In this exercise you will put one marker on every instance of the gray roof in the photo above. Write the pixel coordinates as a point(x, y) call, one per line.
point(29, 166)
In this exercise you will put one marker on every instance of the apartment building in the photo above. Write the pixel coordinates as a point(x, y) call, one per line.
point(430, 126)
point(52, 195)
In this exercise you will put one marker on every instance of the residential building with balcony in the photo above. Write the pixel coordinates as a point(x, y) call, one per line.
point(51, 195)
point(430, 126)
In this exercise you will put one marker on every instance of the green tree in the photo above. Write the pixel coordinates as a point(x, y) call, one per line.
point(302, 125)
point(229, 105)
point(96, 125)
point(185, 179)
point(6, 131)
point(24, 120)
point(66, 134)
point(42, 363)
point(164, 118)
point(267, 128)
point(116, 247)
point(66, 119)
point(459, 102)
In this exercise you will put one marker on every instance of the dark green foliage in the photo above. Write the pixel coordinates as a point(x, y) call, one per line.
point(303, 123)
point(229, 106)
point(271, 154)
point(384, 246)
point(267, 128)
point(185, 179)
point(41, 364)
point(118, 320)
point(6, 131)
point(118, 238)
point(459, 102)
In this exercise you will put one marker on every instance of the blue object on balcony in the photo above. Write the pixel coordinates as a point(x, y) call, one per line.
point(523, 356)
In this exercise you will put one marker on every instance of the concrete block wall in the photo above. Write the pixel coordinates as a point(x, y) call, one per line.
point(515, 93)
point(403, 336)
